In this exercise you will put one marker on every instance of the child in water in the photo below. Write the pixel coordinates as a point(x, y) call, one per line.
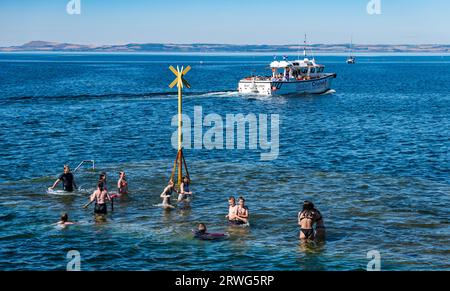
point(232, 210)
point(122, 184)
point(165, 195)
point(64, 220)
point(185, 195)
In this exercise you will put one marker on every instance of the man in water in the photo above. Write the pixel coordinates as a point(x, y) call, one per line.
point(201, 233)
point(232, 210)
point(307, 218)
point(242, 213)
point(165, 195)
point(67, 179)
point(100, 196)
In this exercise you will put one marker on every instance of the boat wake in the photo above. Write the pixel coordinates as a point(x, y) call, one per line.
point(331, 91)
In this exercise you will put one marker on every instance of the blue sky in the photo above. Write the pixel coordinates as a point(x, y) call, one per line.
point(227, 21)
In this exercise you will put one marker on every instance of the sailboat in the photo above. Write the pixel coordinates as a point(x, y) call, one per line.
point(351, 59)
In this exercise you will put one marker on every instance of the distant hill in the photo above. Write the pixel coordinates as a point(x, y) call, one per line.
point(224, 48)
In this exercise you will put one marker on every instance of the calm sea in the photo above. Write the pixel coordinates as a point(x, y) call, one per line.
point(373, 156)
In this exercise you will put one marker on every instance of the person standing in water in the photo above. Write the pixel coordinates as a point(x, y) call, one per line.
point(67, 179)
point(242, 213)
point(185, 195)
point(122, 184)
point(165, 195)
point(100, 196)
point(232, 210)
point(307, 218)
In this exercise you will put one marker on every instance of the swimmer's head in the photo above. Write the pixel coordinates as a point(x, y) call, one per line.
point(201, 228)
point(308, 205)
point(170, 182)
point(122, 174)
point(186, 179)
point(64, 217)
point(241, 200)
point(100, 186)
point(66, 169)
point(102, 176)
point(231, 200)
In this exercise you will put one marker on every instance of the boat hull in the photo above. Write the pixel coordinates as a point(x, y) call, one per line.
point(269, 88)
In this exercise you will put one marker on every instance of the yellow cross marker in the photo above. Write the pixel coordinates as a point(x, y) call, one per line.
point(180, 82)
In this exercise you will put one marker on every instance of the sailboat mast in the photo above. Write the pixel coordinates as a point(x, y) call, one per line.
point(304, 48)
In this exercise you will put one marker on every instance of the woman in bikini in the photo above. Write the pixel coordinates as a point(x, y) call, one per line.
point(307, 218)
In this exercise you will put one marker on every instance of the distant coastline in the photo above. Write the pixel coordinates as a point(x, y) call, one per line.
point(44, 46)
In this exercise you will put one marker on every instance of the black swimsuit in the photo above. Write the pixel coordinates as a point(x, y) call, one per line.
point(309, 233)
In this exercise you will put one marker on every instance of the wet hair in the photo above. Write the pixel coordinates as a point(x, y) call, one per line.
point(232, 198)
point(241, 198)
point(308, 206)
point(186, 177)
point(100, 185)
point(64, 217)
point(66, 167)
point(201, 228)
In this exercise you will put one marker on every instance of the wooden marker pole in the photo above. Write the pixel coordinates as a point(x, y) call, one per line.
point(180, 82)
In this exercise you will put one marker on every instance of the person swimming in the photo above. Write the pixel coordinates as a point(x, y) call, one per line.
point(185, 195)
point(201, 233)
point(100, 196)
point(67, 179)
point(242, 213)
point(122, 184)
point(64, 221)
point(307, 218)
point(165, 195)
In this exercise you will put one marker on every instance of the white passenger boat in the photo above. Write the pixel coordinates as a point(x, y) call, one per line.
point(290, 78)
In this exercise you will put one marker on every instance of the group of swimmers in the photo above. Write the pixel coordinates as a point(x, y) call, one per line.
point(100, 196)
point(238, 214)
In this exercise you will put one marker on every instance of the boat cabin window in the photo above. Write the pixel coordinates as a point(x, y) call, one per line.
point(313, 70)
point(304, 70)
point(320, 70)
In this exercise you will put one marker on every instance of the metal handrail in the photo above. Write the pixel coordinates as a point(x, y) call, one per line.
point(83, 162)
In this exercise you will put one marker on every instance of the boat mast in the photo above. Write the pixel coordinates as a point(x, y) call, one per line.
point(304, 48)
point(351, 46)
